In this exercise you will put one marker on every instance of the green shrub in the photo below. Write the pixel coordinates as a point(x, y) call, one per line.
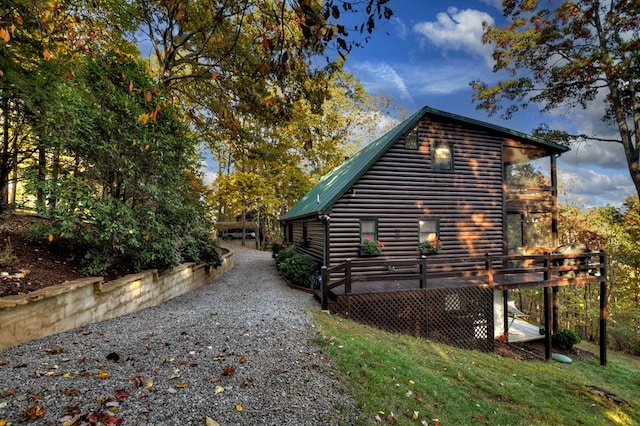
point(300, 269)
point(202, 249)
point(275, 249)
point(285, 254)
point(566, 338)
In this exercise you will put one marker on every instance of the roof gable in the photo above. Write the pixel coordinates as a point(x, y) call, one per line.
point(320, 199)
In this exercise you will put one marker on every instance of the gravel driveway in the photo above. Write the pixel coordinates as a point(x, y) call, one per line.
point(236, 351)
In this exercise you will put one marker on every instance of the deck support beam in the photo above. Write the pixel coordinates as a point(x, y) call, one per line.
point(548, 320)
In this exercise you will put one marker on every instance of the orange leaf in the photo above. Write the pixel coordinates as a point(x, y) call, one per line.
point(46, 54)
point(144, 118)
point(103, 374)
point(4, 35)
point(147, 96)
point(180, 14)
point(244, 359)
point(228, 370)
point(131, 86)
point(50, 237)
point(19, 20)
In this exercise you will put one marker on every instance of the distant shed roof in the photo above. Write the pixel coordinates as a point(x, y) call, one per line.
point(320, 199)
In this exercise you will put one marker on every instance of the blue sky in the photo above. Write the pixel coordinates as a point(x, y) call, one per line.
point(429, 52)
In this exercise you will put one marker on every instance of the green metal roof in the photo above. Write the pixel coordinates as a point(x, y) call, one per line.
point(320, 199)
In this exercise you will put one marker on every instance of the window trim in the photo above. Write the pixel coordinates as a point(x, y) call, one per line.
point(434, 147)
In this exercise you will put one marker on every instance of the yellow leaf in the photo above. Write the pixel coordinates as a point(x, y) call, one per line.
point(62, 234)
point(182, 385)
point(238, 407)
point(3, 422)
point(149, 383)
point(103, 374)
point(67, 375)
point(218, 389)
point(50, 237)
point(209, 422)
point(146, 147)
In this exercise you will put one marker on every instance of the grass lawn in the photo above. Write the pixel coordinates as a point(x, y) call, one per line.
point(398, 379)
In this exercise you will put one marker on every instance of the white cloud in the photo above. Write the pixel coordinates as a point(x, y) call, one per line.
point(380, 77)
point(494, 3)
point(593, 187)
point(459, 30)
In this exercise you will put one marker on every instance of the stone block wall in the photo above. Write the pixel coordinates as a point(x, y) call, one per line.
point(76, 303)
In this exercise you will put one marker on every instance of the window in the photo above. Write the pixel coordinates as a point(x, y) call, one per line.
point(411, 139)
point(368, 229)
point(442, 157)
point(429, 229)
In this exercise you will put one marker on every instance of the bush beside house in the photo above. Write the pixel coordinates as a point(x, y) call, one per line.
point(298, 269)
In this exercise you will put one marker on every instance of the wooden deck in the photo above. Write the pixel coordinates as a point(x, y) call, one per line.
point(387, 275)
point(458, 301)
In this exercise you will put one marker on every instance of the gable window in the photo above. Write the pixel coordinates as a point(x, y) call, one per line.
point(411, 139)
point(442, 157)
point(368, 229)
point(429, 229)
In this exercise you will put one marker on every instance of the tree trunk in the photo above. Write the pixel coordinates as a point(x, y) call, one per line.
point(42, 176)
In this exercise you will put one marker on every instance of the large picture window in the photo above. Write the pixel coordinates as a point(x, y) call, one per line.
point(442, 157)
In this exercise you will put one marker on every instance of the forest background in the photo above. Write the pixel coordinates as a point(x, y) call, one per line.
point(107, 143)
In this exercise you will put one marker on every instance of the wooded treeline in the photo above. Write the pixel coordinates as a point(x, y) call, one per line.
point(106, 108)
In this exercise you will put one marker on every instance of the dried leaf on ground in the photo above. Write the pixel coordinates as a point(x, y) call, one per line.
point(228, 370)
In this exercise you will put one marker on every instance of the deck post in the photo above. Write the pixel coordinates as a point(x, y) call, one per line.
point(347, 275)
point(489, 267)
point(505, 312)
point(603, 307)
point(325, 288)
point(423, 271)
point(547, 323)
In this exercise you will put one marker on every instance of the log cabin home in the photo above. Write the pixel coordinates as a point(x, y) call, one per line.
point(483, 195)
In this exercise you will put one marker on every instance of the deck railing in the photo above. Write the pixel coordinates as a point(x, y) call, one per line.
point(500, 272)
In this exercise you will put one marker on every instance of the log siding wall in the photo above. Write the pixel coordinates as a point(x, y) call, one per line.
point(401, 188)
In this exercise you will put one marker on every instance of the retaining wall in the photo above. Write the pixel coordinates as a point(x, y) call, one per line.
point(79, 302)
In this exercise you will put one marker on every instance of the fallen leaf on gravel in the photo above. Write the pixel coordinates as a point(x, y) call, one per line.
point(244, 359)
point(3, 362)
point(172, 390)
point(228, 370)
point(182, 385)
point(20, 365)
point(71, 392)
point(67, 375)
point(238, 407)
point(137, 381)
point(218, 389)
point(3, 422)
point(7, 393)
point(121, 394)
point(102, 374)
point(56, 350)
point(209, 422)
point(3, 404)
point(34, 412)
point(113, 356)
point(218, 356)
point(215, 379)
point(149, 383)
